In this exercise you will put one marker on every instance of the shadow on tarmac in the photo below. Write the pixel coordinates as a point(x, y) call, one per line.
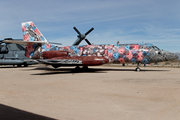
point(50, 71)
point(10, 113)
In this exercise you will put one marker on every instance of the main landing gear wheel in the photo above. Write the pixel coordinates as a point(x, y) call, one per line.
point(85, 67)
point(19, 65)
point(56, 66)
point(25, 65)
point(77, 67)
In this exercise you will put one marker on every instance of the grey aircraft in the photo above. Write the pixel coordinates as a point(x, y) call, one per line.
point(14, 54)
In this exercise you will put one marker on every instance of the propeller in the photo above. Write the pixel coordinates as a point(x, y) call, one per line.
point(82, 36)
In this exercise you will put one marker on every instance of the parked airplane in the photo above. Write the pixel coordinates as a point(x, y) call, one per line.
point(14, 54)
point(37, 47)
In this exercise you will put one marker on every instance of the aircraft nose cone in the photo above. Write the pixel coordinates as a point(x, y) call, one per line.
point(171, 56)
point(176, 56)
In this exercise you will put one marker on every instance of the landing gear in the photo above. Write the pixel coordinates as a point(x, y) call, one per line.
point(19, 65)
point(25, 65)
point(77, 67)
point(85, 67)
point(138, 67)
point(56, 66)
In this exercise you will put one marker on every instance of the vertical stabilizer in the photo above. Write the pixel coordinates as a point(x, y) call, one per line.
point(37, 42)
point(31, 32)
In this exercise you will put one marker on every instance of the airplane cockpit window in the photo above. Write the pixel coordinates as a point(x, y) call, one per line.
point(149, 45)
point(156, 48)
point(2, 44)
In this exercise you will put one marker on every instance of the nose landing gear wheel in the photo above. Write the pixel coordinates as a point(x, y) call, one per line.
point(138, 69)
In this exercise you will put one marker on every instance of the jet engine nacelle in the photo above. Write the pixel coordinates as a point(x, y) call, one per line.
point(3, 50)
point(54, 53)
point(93, 60)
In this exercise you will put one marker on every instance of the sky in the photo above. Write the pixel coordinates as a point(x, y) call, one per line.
point(127, 21)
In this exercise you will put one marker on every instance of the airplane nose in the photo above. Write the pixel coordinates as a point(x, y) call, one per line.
point(176, 56)
point(171, 56)
point(168, 55)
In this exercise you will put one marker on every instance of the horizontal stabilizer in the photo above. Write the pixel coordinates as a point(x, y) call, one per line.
point(24, 42)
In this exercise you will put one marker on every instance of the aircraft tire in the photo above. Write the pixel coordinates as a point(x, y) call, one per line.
point(19, 65)
point(77, 67)
point(85, 67)
point(25, 65)
point(138, 69)
point(56, 66)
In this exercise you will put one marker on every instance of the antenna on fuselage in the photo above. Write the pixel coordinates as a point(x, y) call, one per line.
point(117, 42)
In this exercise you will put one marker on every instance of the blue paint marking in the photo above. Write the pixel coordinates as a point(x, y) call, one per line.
point(109, 51)
point(116, 55)
point(42, 38)
point(116, 46)
point(33, 27)
point(149, 45)
point(133, 52)
point(72, 47)
point(127, 47)
point(31, 39)
point(26, 25)
point(133, 60)
point(34, 46)
point(94, 50)
point(31, 54)
point(81, 45)
point(76, 51)
point(145, 61)
point(52, 46)
point(44, 46)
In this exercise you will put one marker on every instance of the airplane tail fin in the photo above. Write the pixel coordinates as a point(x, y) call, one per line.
point(36, 43)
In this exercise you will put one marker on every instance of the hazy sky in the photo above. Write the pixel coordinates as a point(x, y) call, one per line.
point(127, 21)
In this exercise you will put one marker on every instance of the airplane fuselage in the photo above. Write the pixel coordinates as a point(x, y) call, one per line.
point(123, 53)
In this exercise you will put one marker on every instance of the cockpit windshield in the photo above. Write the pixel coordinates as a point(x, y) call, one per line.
point(156, 48)
point(148, 45)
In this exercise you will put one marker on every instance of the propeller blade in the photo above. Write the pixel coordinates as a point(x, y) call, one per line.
point(87, 41)
point(89, 31)
point(77, 31)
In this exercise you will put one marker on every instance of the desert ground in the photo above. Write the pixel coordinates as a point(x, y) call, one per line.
point(100, 93)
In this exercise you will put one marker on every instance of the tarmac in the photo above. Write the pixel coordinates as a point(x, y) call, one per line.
point(99, 93)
